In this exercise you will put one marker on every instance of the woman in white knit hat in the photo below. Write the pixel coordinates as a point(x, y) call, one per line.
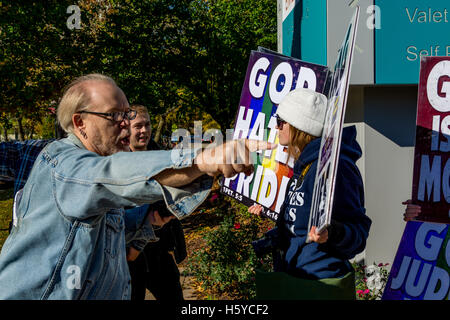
point(319, 268)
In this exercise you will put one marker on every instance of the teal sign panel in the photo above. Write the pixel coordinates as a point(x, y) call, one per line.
point(304, 29)
point(409, 29)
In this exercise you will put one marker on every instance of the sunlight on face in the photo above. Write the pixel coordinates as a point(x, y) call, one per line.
point(141, 132)
point(105, 136)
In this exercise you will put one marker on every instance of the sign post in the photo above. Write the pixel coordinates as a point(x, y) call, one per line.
point(322, 200)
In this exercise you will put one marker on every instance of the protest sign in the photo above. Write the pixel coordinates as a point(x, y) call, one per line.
point(431, 181)
point(322, 200)
point(268, 79)
point(421, 266)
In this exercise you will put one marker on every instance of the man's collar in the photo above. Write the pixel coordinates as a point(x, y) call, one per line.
point(75, 140)
point(131, 150)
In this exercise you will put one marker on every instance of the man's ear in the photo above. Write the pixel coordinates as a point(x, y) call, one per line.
point(77, 121)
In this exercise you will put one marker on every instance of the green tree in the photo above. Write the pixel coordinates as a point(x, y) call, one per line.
point(213, 56)
point(167, 54)
point(31, 65)
point(156, 49)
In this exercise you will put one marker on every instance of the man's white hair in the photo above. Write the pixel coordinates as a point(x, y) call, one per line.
point(76, 98)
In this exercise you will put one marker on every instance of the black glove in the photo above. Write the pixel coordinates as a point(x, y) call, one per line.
point(336, 232)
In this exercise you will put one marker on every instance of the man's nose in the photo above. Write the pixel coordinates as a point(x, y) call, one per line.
point(125, 122)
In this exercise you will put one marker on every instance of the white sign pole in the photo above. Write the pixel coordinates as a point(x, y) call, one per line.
point(322, 200)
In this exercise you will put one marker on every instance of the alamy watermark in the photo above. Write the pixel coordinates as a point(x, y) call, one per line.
point(74, 280)
point(236, 148)
point(374, 19)
point(74, 20)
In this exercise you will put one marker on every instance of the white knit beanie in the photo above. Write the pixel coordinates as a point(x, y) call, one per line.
point(305, 110)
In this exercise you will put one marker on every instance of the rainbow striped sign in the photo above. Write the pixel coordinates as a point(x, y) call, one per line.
point(270, 76)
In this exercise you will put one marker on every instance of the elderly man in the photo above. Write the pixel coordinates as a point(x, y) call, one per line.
point(69, 240)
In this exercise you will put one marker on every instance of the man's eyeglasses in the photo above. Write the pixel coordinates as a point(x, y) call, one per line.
point(280, 122)
point(115, 116)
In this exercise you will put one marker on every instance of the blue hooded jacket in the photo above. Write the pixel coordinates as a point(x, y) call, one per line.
point(349, 226)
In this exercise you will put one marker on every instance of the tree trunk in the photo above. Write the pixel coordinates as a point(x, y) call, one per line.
point(159, 128)
point(30, 136)
point(5, 133)
point(20, 126)
point(161, 123)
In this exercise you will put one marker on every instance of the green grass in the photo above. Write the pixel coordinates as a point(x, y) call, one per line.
point(6, 203)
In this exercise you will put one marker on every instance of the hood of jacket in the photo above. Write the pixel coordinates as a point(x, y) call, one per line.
point(349, 147)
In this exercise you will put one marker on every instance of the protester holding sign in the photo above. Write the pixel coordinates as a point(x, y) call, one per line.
point(421, 268)
point(324, 256)
point(411, 211)
point(431, 182)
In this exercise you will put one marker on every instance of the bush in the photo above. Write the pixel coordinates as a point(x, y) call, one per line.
point(370, 280)
point(226, 265)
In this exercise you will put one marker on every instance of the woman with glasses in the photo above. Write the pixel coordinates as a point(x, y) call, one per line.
point(315, 265)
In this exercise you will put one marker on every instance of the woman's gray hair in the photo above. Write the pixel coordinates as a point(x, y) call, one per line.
point(76, 98)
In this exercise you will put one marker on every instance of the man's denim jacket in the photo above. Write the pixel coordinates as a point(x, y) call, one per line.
point(69, 240)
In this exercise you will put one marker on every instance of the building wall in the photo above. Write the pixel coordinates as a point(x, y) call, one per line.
point(338, 18)
point(385, 118)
